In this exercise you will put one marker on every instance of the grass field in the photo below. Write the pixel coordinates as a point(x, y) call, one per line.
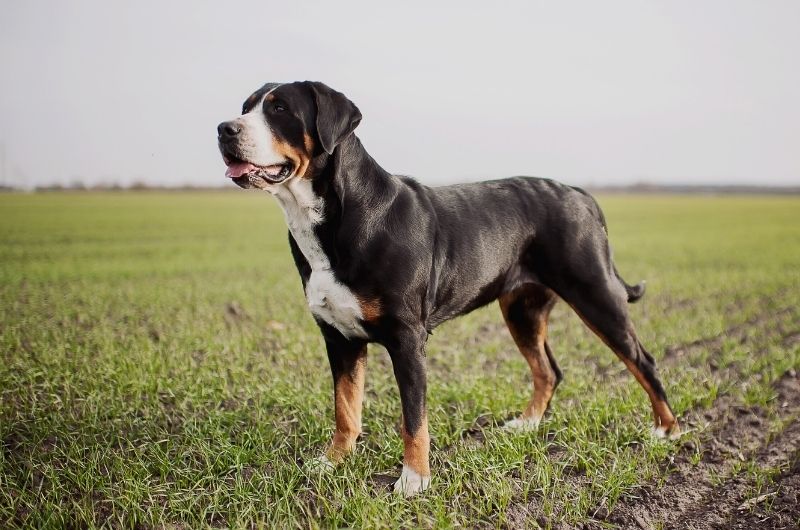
point(160, 369)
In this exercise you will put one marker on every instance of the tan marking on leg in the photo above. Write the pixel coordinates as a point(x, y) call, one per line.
point(349, 398)
point(534, 352)
point(663, 417)
point(416, 448)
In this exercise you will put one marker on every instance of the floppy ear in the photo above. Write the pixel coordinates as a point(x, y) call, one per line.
point(337, 116)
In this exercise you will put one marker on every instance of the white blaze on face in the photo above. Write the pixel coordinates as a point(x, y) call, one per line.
point(256, 141)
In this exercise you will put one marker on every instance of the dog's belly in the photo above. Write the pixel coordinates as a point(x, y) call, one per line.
point(334, 303)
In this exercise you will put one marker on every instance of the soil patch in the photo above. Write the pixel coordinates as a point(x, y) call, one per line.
point(717, 491)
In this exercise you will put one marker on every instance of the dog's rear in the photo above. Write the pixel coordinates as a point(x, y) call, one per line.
point(526, 242)
point(569, 256)
point(635, 292)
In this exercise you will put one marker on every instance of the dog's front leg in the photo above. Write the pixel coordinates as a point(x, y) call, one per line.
point(408, 359)
point(348, 360)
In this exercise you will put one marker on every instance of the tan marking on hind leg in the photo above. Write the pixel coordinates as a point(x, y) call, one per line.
point(535, 353)
point(665, 423)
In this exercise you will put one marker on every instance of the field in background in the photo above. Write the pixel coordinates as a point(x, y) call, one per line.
point(158, 368)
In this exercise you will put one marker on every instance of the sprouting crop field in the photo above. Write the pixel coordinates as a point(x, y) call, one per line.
point(158, 368)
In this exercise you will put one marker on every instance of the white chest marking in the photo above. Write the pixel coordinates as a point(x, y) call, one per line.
point(327, 298)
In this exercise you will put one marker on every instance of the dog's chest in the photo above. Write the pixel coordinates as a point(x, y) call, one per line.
point(327, 298)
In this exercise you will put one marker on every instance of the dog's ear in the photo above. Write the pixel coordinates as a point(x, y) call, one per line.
point(337, 116)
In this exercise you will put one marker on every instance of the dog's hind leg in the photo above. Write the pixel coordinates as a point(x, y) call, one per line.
point(603, 306)
point(525, 311)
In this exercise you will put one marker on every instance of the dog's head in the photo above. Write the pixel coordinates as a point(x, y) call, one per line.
point(283, 127)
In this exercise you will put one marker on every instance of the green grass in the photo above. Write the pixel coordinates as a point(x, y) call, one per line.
point(159, 367)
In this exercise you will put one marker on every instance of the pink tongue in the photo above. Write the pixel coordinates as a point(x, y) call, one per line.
point(237, 169)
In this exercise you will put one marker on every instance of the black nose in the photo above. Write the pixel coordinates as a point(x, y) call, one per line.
point(228, 129)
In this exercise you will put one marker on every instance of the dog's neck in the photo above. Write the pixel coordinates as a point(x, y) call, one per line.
point(354, 177)
point(316, 207)
point(333, 196)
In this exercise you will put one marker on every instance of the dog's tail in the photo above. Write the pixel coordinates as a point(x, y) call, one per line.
point(635, 292)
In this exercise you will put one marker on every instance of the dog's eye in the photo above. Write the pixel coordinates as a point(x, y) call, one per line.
point(279, 108)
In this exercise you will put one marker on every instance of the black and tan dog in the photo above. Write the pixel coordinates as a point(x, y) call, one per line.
point(385, 259)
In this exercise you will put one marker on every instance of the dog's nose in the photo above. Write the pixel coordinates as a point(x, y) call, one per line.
point(228, 129)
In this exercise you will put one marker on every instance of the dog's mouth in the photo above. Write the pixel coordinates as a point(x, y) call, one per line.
point(245, 174)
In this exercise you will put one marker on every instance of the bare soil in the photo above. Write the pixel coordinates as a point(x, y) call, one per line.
point(711, 487)
point(716, 492)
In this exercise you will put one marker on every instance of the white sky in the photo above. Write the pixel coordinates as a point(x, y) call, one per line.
point(587, 92)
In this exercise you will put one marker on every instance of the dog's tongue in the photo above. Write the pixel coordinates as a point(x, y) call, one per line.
point(237, 169)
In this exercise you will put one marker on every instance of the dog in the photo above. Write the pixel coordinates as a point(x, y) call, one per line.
point(385, 259)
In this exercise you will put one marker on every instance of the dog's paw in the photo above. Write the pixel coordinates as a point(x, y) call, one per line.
point(661, 432)
point(522, 424)
point(410, 482)
point(321, 464)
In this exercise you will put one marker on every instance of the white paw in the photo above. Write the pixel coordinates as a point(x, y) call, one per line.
point(321, 463)
point(411, 482)
point(522, 424)
point(660, 433)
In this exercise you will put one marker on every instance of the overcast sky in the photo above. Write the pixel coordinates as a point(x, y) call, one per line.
point(590, 92)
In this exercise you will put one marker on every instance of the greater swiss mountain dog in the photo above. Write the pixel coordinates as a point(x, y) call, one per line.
point(385, 259)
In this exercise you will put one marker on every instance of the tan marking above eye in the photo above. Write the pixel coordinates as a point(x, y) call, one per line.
point(251, 101)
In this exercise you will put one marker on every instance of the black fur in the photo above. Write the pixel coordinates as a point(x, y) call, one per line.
point(429, 254)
